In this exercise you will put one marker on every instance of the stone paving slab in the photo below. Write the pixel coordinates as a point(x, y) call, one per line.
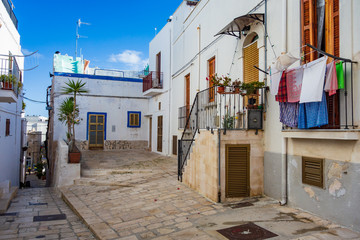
point(22, 226)
point(154, 205)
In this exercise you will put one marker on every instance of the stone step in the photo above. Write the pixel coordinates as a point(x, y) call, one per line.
point(104, 172)
point(6, 198)
point(96, 225)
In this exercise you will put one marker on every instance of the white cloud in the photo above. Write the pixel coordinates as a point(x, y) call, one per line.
point(132, 59)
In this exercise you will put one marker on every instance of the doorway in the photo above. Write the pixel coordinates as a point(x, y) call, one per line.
point(96, 130)
point(237, 170)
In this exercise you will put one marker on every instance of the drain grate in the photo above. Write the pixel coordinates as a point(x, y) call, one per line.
point(9, 214)
point(40, 236)
point(249, 231)
point(241, 205)
point(49, 218)
point(37, 204)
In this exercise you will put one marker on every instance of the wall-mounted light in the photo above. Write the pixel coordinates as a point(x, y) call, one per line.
point(245, 30)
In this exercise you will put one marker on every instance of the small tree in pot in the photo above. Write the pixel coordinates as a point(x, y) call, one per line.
point(74, 88)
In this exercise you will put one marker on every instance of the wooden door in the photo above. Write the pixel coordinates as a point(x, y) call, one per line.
point(158, 67)
point(96, 130)
point(150, 133)
point(237, 171)
point(187, 95)
point(211, 66)
point(160, 133)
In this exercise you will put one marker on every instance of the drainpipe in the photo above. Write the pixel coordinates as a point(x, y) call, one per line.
point(199, 32)
point(169, 92)
point(283, 172)
point(284, 140)
point(219, 162)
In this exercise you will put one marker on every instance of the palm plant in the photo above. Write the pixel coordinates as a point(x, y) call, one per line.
point(66, 115)
point(74, 88)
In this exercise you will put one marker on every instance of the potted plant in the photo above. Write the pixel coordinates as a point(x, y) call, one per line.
point(8, 81)
point(73, 88)
point(251, 90)
point(236, 86)
point(220, 82)
point(39, 169)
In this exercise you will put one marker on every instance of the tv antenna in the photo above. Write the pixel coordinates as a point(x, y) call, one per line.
point(78, 24)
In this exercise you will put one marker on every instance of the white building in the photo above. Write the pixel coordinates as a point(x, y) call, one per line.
point(230, 39)
point(37, 124)
point(11, 63)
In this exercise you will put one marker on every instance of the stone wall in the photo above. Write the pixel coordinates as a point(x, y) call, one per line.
point(116, 145)
point(256, 158)
point(201, 171)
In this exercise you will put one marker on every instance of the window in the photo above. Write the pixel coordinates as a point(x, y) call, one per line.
point(313, 171)
point(211, 69)
point(321, 28)
point(134, 119)
point(7, 128)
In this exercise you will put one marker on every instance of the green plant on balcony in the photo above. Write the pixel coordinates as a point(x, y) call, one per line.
point(228, 121)
point(251, 88)
point(8, 81)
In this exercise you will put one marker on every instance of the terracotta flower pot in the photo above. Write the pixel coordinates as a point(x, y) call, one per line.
point(221, 89)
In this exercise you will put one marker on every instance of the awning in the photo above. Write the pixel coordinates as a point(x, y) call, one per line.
point(237, 25)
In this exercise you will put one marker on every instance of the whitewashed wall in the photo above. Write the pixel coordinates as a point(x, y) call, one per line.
point(115, 98)
point(10, 145)
point(161, 43)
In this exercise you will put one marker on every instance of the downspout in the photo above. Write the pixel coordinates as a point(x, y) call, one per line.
point(170, 84)
point(266, 67)
point(199, 32)
point(219, 162)
point(284, 140)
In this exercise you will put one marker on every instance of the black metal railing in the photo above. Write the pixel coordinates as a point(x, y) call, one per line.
point(10, 74)
point(10, 11)
point(212, 110)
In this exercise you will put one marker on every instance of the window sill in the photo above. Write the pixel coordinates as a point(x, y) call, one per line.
point(338, 134)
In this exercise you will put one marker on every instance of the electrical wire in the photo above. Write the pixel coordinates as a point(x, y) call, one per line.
point(32, 100)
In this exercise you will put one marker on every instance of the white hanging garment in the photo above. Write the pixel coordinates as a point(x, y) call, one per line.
point(313, 81)
point(275, 77)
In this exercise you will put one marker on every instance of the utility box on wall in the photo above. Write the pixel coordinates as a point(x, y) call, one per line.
point(255, 118)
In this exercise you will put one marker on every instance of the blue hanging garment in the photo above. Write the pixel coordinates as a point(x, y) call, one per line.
point(313, 114)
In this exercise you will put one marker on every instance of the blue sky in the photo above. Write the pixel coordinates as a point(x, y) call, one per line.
point(118, 36)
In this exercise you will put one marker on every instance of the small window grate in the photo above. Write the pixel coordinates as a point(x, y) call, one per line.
point(313, 171)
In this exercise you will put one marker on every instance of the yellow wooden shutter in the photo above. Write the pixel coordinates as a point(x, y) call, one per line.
point(251, 59)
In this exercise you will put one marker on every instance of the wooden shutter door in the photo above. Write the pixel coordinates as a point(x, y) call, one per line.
point(187, 95)
point(332, 46)
point(237, 170)
point(309, 28)
point(211, 66)
point(251, 59)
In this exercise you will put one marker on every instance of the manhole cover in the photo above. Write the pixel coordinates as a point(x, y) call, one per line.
point(37, 204)
point(240, 205)
point(49, 217)
point(249, 231)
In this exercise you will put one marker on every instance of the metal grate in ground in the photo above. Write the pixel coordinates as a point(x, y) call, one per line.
point(249, 231)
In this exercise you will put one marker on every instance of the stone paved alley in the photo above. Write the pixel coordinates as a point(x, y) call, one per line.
point(135, 195)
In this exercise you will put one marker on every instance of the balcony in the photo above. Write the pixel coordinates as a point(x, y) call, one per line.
point(153, 84)
point(10, 11)
point(10, 80)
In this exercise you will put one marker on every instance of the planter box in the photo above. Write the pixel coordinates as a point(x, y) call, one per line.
point(75, 156)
